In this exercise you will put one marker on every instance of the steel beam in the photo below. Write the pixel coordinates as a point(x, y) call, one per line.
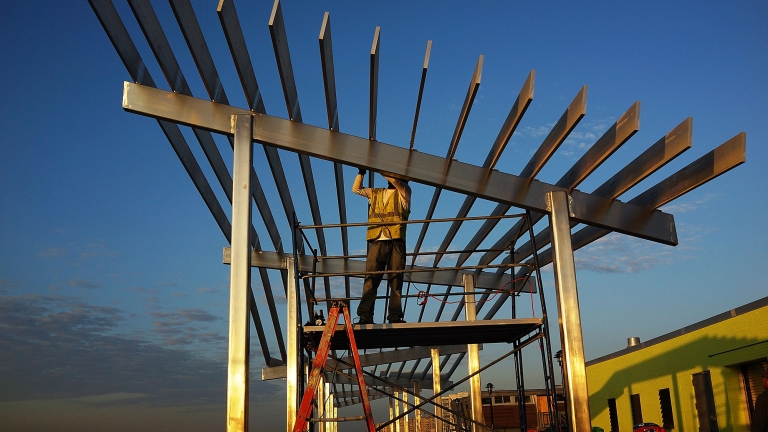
point(372, 359)
point(421, 92)
point(402, 163)
point(674, 143)
point(374, 86)
point(150, 26)
point(473, 361)
point(436, 389)
point(276, 260)
point(560, 131)
point(240, 277)
point(428, 383)
point(618, 134)
point(292, 329)
point(508, 128)
point(577, 396)
point(724, 158)
point(461, 122)
point(331, 104)
point(233, 32)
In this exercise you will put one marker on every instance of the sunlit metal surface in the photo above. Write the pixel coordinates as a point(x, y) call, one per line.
point(577, 396)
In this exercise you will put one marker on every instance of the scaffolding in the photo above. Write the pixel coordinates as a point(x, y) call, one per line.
point(408, 336)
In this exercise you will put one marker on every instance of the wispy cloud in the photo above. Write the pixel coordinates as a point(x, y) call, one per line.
point(52, 252)
point(684, 206)
point(59, 347)
point(80, 283)
point(617, 253)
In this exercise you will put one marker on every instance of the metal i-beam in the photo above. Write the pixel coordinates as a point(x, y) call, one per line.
point(402, 163)
point(469, 99)
point(725, 157)
point(275, 260)
point(240, 277)
point(294, 351)
point(121, 40)
point(193, 35)
point(473, 362)
point(621, 131)
point(421, 93)
point(516, 113)
point(372, 359)
point(560, 131)
point(152, 30)
point(674, 143)
point(569, 317)
point(285, 70)
point(329, 84)
point(374, 86)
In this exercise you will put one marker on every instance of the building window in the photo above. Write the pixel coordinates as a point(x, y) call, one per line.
point(486, 401)
point(612, 415)
point(637, 411)
point(665, 400)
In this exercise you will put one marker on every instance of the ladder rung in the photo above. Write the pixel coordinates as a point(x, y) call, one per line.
point(336, 419)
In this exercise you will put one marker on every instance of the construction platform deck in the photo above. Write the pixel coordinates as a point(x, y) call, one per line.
point(369, 336)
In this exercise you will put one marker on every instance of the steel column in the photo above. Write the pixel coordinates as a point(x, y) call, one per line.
point(473, 360)
point(292, 362)
point(577, 396)
point(416, 401)
point(435, 352)
point(240, 276)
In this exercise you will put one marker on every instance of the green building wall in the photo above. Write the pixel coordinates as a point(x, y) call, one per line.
point(720, 345)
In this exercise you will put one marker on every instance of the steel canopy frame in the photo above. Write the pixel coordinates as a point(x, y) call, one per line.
point(642, 222)
point(599, 210)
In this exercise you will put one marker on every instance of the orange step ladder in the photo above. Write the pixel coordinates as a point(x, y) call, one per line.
point(318, 364)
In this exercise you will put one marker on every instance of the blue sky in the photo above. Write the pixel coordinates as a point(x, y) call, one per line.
point(113, 297)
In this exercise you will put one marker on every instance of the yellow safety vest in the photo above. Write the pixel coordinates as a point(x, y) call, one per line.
point(383, 210)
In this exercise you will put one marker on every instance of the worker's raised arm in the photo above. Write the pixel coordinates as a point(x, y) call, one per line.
point(356, 185)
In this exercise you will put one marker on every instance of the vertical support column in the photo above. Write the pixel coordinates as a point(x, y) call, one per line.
point(473, 353)
point(391, 413)
point(405, 408)
point(292, 355)
point(416, 401)
point(435, 352)
point(577, 396)
point(321, 395)
point(328, 408)
point(240, 275)
point(396, 400)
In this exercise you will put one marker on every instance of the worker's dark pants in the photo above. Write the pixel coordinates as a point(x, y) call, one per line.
point(389, 255)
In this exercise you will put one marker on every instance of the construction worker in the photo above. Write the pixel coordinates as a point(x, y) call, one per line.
point(386, 244)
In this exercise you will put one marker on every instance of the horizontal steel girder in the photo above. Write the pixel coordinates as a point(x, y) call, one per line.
point(374, 359)
point(276, 260)
point(463, 178)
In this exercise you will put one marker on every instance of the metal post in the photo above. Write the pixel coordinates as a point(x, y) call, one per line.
point(240, 276)
point(435, 352)
point(321, 395)
point(405, 407)
point(473, 353)
point(397, 410)
point(391, 412)
point(292, 356)
point(416, 401)
point(577, 396)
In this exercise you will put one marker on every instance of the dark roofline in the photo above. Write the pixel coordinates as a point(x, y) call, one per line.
point(749, 307)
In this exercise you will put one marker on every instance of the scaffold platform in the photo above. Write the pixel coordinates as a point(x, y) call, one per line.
point(370, 336)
